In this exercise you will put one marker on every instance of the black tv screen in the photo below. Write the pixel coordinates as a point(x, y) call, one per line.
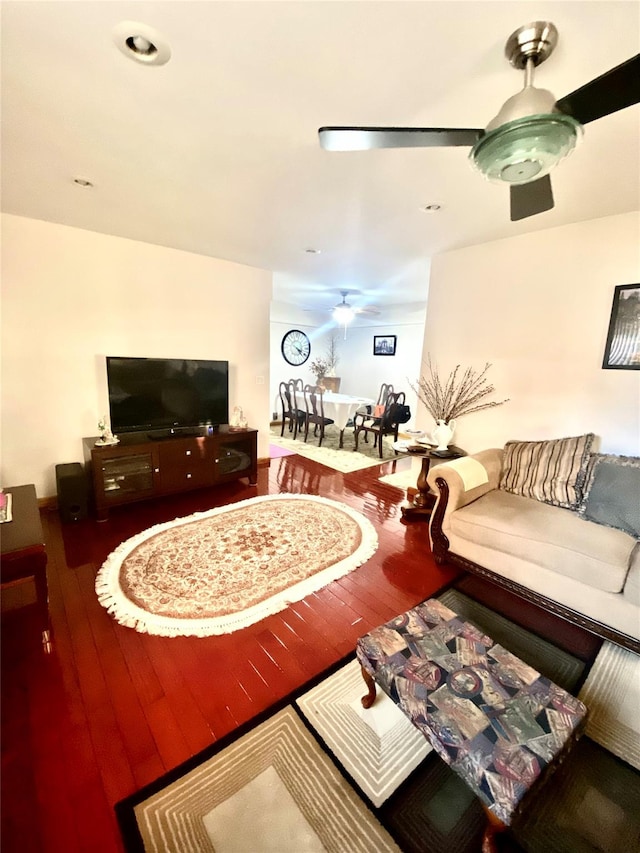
point(166, 393)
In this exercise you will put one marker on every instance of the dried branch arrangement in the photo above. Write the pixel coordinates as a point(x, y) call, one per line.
point(457, 395)
point(332, 357)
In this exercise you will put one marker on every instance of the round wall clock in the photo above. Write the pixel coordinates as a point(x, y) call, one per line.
point(296, 347)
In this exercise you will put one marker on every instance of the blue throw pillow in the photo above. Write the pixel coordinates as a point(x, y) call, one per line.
point(612, 492)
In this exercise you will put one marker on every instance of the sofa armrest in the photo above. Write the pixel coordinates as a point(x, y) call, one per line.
point(458, 483)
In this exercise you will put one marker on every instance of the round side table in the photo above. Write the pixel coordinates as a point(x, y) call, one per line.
point(422, 505)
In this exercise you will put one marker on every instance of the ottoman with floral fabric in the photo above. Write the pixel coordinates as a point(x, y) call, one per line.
point(496, 721)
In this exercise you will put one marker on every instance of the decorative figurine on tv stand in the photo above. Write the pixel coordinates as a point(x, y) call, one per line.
point(106, 436)
point(237, 421)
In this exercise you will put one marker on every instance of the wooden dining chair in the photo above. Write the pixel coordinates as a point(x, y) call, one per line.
point(314, 412)
point(387, 424)
point(291, 413)
point(369, 417)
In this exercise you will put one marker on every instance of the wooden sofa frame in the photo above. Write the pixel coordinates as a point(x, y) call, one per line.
point(442, 555)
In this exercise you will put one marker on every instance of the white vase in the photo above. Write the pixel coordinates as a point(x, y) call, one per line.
point(443, 434)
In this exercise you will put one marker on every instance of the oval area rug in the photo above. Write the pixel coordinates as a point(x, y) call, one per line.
point(217, 571)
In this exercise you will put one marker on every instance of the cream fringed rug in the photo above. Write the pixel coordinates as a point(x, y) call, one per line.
point(330, 454)
point(218, 571)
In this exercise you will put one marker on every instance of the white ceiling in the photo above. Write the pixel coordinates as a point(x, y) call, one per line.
point(216, 152)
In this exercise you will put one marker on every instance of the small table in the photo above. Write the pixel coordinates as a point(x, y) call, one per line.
point(424, 501)
point(491, 717)
point(23, 550)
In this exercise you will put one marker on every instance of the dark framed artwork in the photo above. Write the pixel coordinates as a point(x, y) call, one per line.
point(622, 350)
point(384, 344)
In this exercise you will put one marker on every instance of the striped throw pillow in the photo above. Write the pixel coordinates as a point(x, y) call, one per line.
point(549, 471)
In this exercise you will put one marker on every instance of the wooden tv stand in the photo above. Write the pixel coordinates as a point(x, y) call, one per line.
point(140, 467)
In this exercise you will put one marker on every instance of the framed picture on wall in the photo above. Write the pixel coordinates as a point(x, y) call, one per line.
point(384, 344)
point(622, 350)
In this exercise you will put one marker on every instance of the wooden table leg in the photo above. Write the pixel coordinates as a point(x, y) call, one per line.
point(370, 698)
point(424, 501)
point(494, 827)
point(42, 594)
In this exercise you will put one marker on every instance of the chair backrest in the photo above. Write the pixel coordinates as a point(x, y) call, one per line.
point(285, 398)
point(288, 398)
point(384, 392)
point(296, 387)
point(313, 402)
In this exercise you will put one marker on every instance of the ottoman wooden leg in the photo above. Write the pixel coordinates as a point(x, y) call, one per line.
point(494, 827)
point(370, 698)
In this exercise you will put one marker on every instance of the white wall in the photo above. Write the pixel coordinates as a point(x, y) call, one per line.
point(537, 307)
point(285, 317)
point(71, 297)
point(361, 372)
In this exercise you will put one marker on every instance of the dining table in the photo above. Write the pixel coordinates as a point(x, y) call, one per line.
point(342, 407)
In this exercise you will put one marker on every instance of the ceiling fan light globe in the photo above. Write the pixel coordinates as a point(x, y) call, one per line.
point(343, 314)
point(526, 103)
point(526, 149)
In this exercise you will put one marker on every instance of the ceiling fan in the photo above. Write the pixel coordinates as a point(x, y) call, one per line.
point(343, 313)
point(532, 131)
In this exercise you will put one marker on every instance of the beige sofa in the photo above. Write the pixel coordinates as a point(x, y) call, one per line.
point(581, 570)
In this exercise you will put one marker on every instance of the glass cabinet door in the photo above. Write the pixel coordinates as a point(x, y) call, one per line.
point(127, 475)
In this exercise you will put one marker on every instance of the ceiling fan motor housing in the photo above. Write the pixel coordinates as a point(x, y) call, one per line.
point(529, 135)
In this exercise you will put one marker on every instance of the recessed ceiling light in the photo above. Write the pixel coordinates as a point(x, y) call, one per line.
point(141, 43)
point(313, 251)
point(430, 208)
point(82, 182)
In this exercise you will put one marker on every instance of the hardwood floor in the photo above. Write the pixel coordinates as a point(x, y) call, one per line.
point(110, 710)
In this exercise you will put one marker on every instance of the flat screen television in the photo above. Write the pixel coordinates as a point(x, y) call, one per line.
point(165, 396)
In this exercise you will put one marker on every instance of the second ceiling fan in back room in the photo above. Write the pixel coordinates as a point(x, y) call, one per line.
point(531, 133)
point(344, 313)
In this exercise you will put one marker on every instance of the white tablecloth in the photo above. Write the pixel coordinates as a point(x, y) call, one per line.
point(341, 407)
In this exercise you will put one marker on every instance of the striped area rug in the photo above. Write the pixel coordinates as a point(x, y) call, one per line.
point(320, 773)
point(612, 694)
point(271, 791)
point(379, 748)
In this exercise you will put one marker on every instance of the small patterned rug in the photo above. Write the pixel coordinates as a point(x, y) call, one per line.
point(344, 460)
point(217, 571)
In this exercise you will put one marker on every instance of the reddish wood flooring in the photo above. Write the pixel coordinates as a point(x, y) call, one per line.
point(109, 710)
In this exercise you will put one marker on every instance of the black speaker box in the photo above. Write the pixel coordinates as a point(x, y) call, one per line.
point(73, 491)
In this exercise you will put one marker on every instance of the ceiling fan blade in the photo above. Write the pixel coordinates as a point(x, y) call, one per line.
point(367, 138)
point(612, 91)
point(529, 199)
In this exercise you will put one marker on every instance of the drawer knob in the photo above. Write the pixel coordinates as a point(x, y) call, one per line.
point(188, 476)
point(187, 453)
point(156, 470)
